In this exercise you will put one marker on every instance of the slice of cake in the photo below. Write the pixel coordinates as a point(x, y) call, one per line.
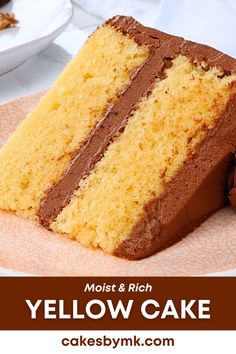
point(132, 147)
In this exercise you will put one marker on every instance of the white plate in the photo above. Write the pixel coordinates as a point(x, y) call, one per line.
point(40, 22)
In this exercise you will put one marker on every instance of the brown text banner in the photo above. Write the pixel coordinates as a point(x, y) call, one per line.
point(39, 303)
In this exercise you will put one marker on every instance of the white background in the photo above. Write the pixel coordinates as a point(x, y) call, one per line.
point(186, 342)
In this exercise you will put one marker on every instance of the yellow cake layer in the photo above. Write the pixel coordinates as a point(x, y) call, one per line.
point(164, 130)
point(40, 150)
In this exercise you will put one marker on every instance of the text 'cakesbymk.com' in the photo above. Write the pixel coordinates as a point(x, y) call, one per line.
point(105, 341)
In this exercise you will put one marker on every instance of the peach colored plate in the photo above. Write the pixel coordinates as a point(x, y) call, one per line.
point(26, 247)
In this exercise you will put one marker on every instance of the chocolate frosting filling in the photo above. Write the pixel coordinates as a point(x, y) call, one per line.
point(198, 189)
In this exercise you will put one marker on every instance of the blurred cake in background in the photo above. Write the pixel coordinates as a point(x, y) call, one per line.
point(7, 20)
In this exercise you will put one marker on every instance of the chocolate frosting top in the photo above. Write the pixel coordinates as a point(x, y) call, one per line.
point(196, 52)
point(162, 48)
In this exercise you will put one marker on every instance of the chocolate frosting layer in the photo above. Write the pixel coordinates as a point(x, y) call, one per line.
point(198, 189)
